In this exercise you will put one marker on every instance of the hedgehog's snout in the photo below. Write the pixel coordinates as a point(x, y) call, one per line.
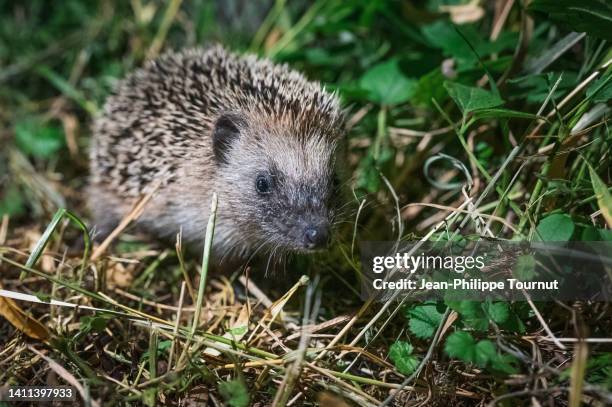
point(312, 223)
point(316, 235)
point(305, 224)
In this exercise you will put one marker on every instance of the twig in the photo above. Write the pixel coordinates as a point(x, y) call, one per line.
point(253, 289)
point(152, 303)
point(66, 375)
point(335, 376)
point(543, 323)
point(475, 212)
point(134, 214)
point(346, 328)
point(575, 340)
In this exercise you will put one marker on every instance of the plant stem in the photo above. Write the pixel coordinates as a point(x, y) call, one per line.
point(210, 230)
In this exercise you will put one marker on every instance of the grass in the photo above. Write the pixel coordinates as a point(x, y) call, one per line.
point(496, 128)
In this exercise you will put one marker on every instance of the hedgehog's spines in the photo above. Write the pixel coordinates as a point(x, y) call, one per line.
point(157, 128)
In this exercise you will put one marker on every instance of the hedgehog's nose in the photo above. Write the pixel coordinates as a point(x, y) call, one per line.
point(316, 236)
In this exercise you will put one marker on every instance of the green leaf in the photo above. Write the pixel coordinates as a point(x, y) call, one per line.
point(498, 311)
point(524, 268)
point(368, 177)
point(479, 324)
point(401, 355)
point(514, 324)
point(424, 320)
point(163, 346)
point(235, 393)
point(591, 16)
point(387, 85)
point(601, 90)
point(470, 99)
point(485, 352)
point(599, 370)
point(12, 202)
point(462, 346)
point(555, 228)
point(604, 199)
point(472, 314)
point(42, 296)
point(94, 324)
point(38, 139)
point(536, 88)
point(504, 363)
point(506, 113)
point(550, 54)
point(605, 235)
point(241, 330)
point(430, 86)
point(443, 34)
point(589, 234)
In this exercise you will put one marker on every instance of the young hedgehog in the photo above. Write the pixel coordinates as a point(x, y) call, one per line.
point(207, 120)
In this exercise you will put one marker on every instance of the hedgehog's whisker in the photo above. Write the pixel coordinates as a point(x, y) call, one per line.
point(263, 243)
point(270, 257)
point(230, 251)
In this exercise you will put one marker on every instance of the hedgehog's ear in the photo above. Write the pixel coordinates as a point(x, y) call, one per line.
point(225, 132)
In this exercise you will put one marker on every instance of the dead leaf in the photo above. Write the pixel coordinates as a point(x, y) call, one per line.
point(452, 317)
point(276, 308)
point(464, 13)
point(71, 126)
point(22, 321)
point(272, 39)
point(4, 228)
point(327, 399)
point(120, 276)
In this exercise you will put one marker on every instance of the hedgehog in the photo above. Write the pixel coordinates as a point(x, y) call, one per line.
point(202, 121)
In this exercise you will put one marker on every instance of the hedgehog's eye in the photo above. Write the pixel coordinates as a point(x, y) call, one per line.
point(263, 184)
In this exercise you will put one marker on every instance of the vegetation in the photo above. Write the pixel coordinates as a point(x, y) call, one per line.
point(481, 118)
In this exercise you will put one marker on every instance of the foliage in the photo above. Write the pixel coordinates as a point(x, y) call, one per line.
point(38, 139)
point(401, 355)
point(470, 99)
point(386, 84)
point(235, 393)
point(424, 319)
point(462, 345)
point(555, 228)
point(591, 16)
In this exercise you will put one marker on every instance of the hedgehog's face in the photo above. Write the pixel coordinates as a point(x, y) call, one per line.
point(283, 187)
